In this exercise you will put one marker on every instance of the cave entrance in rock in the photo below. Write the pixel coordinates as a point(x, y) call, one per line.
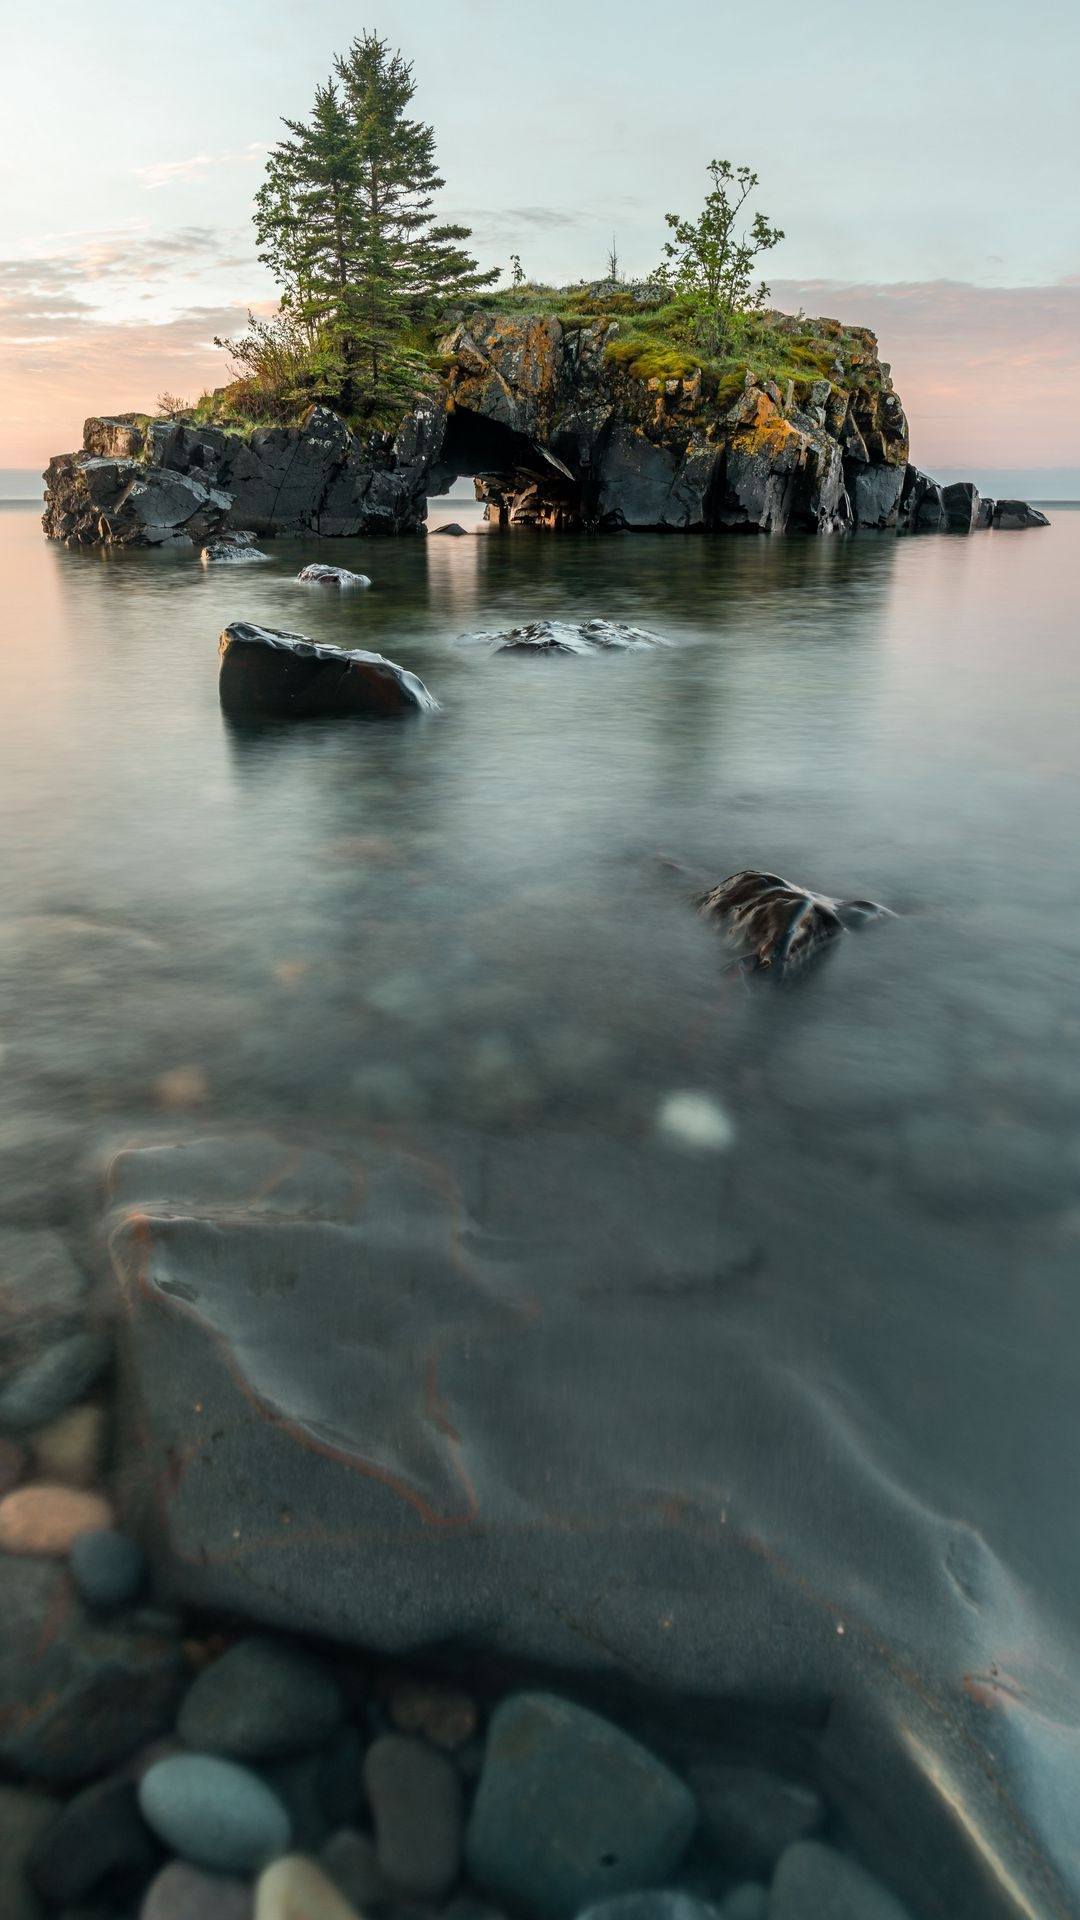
point(523, 483)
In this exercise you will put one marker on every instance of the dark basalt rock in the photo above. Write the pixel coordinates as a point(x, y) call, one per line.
point(266, 674)
point(774, 927)
point(564, 636)
point(555, 434)
point(1011, 514)
point(962, 503)
point(167, 482)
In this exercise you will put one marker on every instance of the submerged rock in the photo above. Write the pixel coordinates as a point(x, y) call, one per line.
point(318, 574)
point(570, 1809)
point(815, 1882)
point(776, 927)
point(261, 1700)
point(76, 1696)
point(232, 550)
point(564, 636)
point(267, 674)
point(213, 1813)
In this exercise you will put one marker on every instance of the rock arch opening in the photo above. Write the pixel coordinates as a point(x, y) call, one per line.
point(521, 483)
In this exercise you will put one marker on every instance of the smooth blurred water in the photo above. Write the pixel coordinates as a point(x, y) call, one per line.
point(471, 922)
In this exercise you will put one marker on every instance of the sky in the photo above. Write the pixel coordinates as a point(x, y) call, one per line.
point(924, 162)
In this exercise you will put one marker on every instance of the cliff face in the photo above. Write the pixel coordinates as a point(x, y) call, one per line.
point(163, 482)
point(610, 449)
point(558, 429)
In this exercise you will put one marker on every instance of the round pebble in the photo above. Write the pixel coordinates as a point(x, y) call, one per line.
point(70, 1448)
point(107, 1567)
point(696, 1122)
point(262, 1700)
point(444, 1716)
point(183, 1892)
point(214, 1813)
point(46, 1521)
point(49, 1383)
point(296, 1889)
point(416, 1802)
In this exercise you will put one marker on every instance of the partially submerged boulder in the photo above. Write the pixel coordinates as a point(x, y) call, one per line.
point(267, 674)
point(1012, 514)
point(319, 574)
point(772, 926)
point(233, 549)
point(565, 636)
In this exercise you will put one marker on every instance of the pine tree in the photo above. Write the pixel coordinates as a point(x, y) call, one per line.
point(344, 220)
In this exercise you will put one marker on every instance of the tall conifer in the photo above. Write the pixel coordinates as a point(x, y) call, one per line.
point(344, 220)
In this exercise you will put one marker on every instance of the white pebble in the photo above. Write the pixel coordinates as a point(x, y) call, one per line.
point(696, 1121)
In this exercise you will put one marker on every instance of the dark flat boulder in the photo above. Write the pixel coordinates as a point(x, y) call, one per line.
point(1011, 515)
point(266, 674)
point(345, 1409)
point(772, 926)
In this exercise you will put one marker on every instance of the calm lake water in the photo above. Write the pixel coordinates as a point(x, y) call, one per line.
point(471, 925)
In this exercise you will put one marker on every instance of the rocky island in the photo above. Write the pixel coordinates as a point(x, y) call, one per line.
point(571, 421)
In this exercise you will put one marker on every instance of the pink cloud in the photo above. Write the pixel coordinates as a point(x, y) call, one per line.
point(48, 386)
point(990, 376)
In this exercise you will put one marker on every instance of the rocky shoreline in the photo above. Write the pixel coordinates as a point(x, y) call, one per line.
point(555, 434)
point(163, 1764)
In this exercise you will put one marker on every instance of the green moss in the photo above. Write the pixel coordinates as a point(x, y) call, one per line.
point(648, 356)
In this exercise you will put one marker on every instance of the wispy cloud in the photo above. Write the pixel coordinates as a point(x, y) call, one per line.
point(168, 173)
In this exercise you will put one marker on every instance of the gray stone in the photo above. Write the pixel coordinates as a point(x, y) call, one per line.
point(230, 553)
point(772, 926)
point(749, 1817)
point(48, 1354)
point(748, 1902)
point(351, 1862)
point(214, 1813)
point(961, 503)
point(321, 575)
point(565, 636)
point(267, 674)
point(1014, 514)
point(376, 1375)
point(416, 1804)
point(876, 495)
point(569, 1809)
point(108, 1568)
point(46, 1386)
point(24, 1817)
point(261, 1700)
point(320, 1791)
point(76, 1699)
point(184, 1892)
point(815, 1882)
point(97, 1848)
point(655, 1904)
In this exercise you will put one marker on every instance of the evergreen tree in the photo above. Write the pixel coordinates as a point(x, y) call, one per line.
point(344, 220)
